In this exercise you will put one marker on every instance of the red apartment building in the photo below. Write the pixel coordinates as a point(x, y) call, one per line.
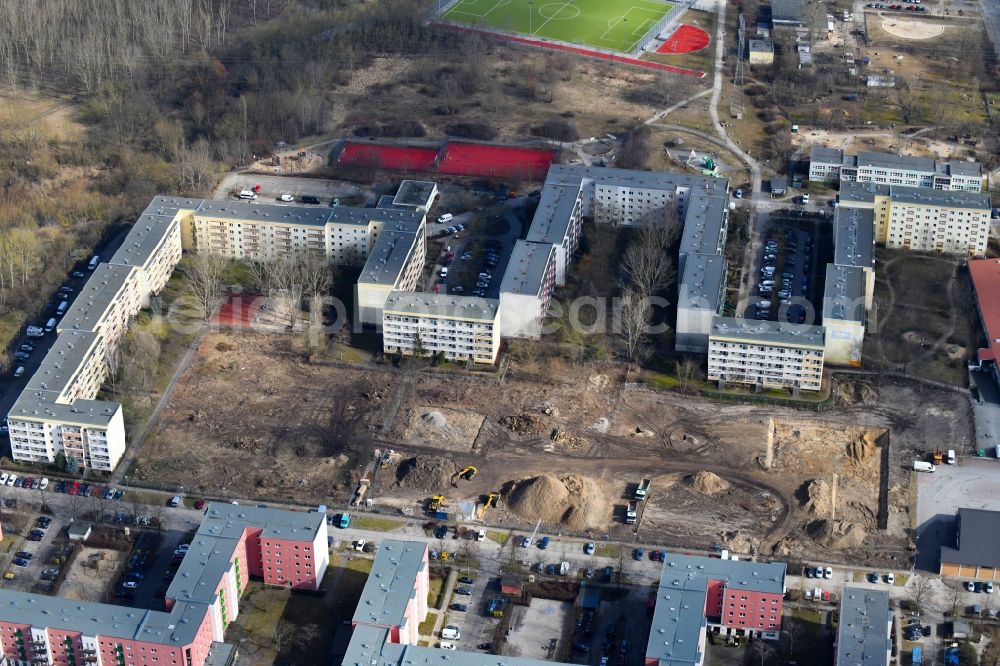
point(285, 548)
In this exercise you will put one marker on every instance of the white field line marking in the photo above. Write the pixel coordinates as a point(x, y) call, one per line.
point(539, 28)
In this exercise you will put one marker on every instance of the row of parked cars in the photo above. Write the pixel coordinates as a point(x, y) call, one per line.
point(912, 7)
point(12, 480)
point(818, 572)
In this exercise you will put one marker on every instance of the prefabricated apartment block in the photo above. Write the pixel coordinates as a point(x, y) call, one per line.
point(864, 631)
point(924, 219)
point(57, 411)
point(831, 166)
point(233, 543)
point(460, 327)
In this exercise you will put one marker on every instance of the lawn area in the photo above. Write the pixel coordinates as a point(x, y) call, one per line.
point(434, 592)
point(375, 524)
point(616, 25)
point(500, 537)
point(606, 550)
point(360, 564)
point(426, 627)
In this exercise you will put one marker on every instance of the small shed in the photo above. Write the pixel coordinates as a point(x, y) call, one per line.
point(761, 52)
point(511, 585)
point(79, 531)
point(779, 185)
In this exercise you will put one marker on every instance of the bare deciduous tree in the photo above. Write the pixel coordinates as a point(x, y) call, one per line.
point(204, 277)
point(920, 592)
point(634, 317)
point(647, 261)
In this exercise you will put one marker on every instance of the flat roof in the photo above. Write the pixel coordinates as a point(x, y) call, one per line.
point(448, 306)
point(967, 168)
point(782, 334)
point(229, 521)
point(863, 633)
point(978, 537)
point(826, 155)
point(177, 627)
point(701, 281)
point(749, 575)
point(678, 618)
point(852, 191)
point(389, 255)
point(762, 45)
point(527, 269)
point(844, 294)
point(415, 193)
point(370, 646)
point(554, 212)
point(63, 360)
point(101, 289)
point(868, 158)
point(704, 223)
point(985, 274)
point(854, 237)
point(575, 174)
point(202, 568)
point(390, 585)
point(144, 238)
point(928, 196)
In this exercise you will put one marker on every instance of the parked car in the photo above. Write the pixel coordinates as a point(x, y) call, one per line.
point(309, 199)
point(461, 608)
point(589, 548)
point(287, 198)
point(638, 553)
point(466, 580)
point(463, 591)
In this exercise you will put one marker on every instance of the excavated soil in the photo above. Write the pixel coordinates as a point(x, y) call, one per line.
point(576, 502)
point(429, 473)
point(707, 483)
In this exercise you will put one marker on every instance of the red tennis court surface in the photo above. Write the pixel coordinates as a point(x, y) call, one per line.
point(686, 39)
point(239, 310)
point(400, 158)
point(590, 53)
point(470, 159)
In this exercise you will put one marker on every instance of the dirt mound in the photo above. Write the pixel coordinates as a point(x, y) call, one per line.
point(861, 448)
point(739, 543)
point(816, 497)
point(577, 502)
point(707, 483)
point(435, 419)
point(837, 534)
point(430, 473)
point(522, 424)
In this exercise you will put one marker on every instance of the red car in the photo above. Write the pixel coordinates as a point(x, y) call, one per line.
point(27, 483)
point(75, 488)
point(199, 504)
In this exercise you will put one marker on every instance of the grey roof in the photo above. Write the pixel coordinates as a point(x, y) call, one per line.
point(177, 627)
point(58, 369)
point(761, 46)
point(768, 332)
point(574, 174)
point(867, 158)
point(844, 294)
point(391, 253)
point(702, 280)
point(370, 646)
point(826, 155)
point(788, 11)
point(414, 193)
point(863, 634)
point(554, 212)
point(229, 521)
point(202, 568)
point(97, 294)
point(855, 192)
point(527, 269)
point(779, 183)
point(704, 224)
point(390, 585)
point(965, 168)
point(978, 539)
point(762, 577)
point(854, 237)
point(678, 618)
point(930, 197)
point(413, 303)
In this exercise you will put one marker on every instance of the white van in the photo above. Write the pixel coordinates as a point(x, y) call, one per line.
point(451, 632)
point(50, 325)
point(175, 501)
point(951, 456)
point(19, 371)
point(61, 310)
point(921, 466)
point(248, 194)
point(446, 218)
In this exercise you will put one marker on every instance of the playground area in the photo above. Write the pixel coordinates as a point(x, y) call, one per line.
point(686, 39)
point(615, 25)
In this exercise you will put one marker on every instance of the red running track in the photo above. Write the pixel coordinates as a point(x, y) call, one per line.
point(470, 159)
point(399, 158)
point(647, 64)
point(686, 39)
point(239, 310)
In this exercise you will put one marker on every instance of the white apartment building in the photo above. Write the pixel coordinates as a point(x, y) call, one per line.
point(701, 270)
point(153, 245)
point(526, 289)
point(106, 303)
point(832, 165)
point(766, 354)
point(924, 219)
point(57, 412)
point(463, 327)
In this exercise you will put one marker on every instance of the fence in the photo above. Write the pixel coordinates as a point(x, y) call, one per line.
point(660, 26)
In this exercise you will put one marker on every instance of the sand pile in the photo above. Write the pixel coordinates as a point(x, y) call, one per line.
point(577, 502)
point(707, 483)
point(861, 449)
point(435, 419)
point(816, 497)
point(837, 534)
point(430, 473)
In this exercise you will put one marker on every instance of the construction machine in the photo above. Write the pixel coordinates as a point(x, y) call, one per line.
point(492, 500)
point(435, 503)
point(938, 456)
point(467, 473)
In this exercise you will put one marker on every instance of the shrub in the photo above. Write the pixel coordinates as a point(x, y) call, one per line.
point(557, 130)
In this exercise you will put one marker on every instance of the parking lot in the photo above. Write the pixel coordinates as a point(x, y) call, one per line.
point(476, 252)
point(788, 271)
point(974, 483)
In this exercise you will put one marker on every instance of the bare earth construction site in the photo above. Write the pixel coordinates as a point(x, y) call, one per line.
point(566, 446)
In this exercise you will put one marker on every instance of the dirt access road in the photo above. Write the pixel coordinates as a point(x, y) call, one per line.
point(753, 478)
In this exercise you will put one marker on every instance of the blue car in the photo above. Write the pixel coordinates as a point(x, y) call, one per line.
point(638, 553)
point(20, 561)
point(544, 543)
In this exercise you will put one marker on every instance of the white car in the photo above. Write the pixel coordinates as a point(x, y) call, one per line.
point(11, 479)
point(828, 572)
point(287, 198)
point(890, 578)
point(44, 484)
point(451, 632)
point(3, 478)
point(248, 194)
point(445, 645)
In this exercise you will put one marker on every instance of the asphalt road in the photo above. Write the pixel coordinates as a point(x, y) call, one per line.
point(991, 16)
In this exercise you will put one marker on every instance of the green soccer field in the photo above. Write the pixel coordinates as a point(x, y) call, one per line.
point(617, 25)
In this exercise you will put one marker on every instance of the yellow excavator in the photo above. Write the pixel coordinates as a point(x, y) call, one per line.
point(492, 500)
point(435, 503)
point(469, 473)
